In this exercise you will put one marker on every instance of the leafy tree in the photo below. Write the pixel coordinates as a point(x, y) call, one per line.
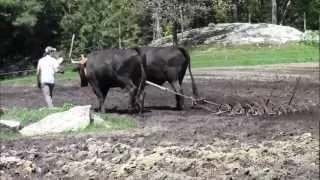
point(27, 26)
point(171, 14)
point(96, 24)
point(18, 20)
point(222, 10)
point(254, 10)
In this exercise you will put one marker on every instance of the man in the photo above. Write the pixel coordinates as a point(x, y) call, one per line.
point(47, 66)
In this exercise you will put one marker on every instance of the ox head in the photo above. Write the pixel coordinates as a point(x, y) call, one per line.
point(81, 67)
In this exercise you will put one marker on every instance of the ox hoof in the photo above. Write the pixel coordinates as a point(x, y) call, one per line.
point(135, 109)
point(180, 107)
point(96, 109)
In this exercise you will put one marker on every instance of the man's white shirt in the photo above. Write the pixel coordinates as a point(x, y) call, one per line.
point(47, 66)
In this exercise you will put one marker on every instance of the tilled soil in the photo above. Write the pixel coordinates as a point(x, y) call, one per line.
point(169, 144)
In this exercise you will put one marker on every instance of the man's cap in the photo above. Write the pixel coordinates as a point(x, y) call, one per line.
point(50, 49)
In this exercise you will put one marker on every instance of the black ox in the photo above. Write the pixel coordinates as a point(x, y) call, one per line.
point(111, 68)
point(168, 64)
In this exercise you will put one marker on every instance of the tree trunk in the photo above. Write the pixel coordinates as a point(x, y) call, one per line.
point(181, 22)
point(249, 17)
point(157, 28)
point(119, 28)
point(304, 22)
point(174, 33)
point(234, 10)
point(285, 12)
point(274, 11)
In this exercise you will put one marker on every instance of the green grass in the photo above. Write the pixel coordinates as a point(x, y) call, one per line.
point(28, 116)
point(9, 136)
point(114, 123)
point(32, 80)
point(217, 56)
point(253, 55)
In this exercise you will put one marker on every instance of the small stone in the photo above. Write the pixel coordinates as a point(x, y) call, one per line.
point(81, 155)
point(29, 167)
point(247, 172)
point(73, 146)
point(265, 150)
point(65, 169)
point(306, 135)
point(125, 157)
point(13, 124)
point(60, 163)
point(187, 166)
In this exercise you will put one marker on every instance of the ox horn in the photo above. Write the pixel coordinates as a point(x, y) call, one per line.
point(82, 61)
point(75, 62)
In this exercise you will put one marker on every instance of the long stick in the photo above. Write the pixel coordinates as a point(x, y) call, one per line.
point(188, 97)
point(71, 46)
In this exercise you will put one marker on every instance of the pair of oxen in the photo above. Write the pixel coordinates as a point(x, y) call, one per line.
point(131, 68)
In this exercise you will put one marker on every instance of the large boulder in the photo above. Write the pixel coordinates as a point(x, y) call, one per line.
point(75, 119)
point(236, 34)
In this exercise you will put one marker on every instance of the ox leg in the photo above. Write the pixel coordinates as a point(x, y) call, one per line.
point(101, 95)
point(132, 89)
point(179, 99)
point(140, 96)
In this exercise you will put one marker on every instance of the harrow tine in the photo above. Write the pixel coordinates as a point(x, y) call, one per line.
point(219, 112)
point(237, 109)
point(206, 108)
point(305, 108)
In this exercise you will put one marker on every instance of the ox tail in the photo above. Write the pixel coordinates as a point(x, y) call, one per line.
point(194, 87)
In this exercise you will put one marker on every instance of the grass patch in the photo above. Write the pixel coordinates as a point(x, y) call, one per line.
point(215, 56)
point(28, 116)
point(112, 123)
point(32, 79)
point(9, 136)
point(252, 55)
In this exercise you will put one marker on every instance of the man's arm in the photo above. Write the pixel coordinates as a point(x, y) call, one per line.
point(57, 63)
point(60, 60)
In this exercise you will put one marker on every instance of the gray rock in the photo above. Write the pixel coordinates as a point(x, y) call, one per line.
point(74, 119)
point(236, 34)
point(12, 124)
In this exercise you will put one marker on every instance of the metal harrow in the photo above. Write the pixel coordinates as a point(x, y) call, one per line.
point(249, 107)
